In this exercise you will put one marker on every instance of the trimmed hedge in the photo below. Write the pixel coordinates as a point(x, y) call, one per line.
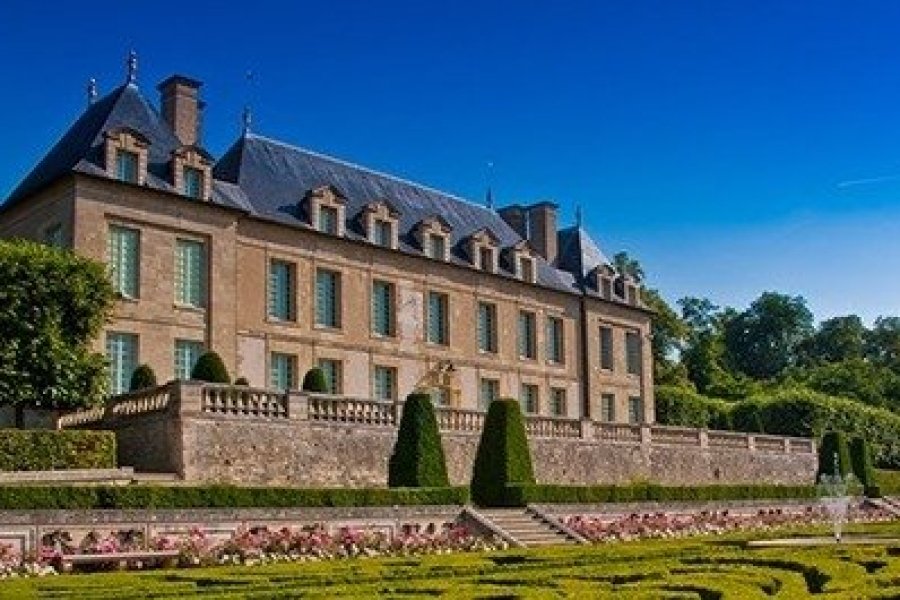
point(45, 450)
point(888, 482)
point(150, 496)
point(861, 461)
point(503, 456)
point(211, 369)
point(520, 495)
point(418, 457)
point(315, 381)
point(142, 378)
point(682, 407)
point(833, 443)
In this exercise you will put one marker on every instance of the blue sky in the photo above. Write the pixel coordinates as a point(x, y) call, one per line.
point(718, 142)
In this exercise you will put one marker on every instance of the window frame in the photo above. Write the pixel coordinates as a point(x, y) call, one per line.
point(633, 354)
point(492, 335)
point(292, 372)
point(529, 343)
point(638, 418)
point(525, 398)
point(273, 310)
point(443, 339)
point(392, 379)
point(559, 402)
point(608, 399)
point(114, 272)
point(120, 383)
point(335, 379)
point(181, 289)
point(607, 348)
point(335, 320)
point(183, 342)
point(189, 172)
point(555, 343)
point(390, 304)
point(484, 382)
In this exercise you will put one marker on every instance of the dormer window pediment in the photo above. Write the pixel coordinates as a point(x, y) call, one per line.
point(125, 155)
point(601, 279)
point(192, 172)
point(522, 261)
point(482, 249)
point(433, 235)
point(326, 210)
point(380, 221)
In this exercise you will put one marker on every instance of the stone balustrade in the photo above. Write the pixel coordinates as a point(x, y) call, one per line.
point(240, 402)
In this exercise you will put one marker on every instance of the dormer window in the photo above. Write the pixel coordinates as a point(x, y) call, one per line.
point(126, 155)
point(483, 250)
point(486, 259)
point(325, 206)
point(380, 223)
point(526, 268)
point(193, 182)
point(433, 234)
point(520, 259)
point(437, 246)
point(192, 172)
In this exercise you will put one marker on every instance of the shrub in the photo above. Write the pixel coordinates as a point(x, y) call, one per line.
point(142, 378)
point(888, 482)
point(45, 450)
point(861, 461)
point(242, 381)
point(315, 381)
point(211, 369)
point(747, 416)
point(683, 407)
point(833, 449)
point(503, 456)
point(418, 457)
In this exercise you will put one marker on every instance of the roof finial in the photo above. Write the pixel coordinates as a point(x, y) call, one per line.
point(578, 215)
point(246, 118)
point(132, 66)
point(92, 91)
point(489, 196)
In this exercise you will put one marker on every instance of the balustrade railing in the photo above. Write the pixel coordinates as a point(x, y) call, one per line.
point(243, 401)
point(552, 427)
point(800, 445)
point(683, 436)
point(452, 419)
point(617, 432)
point(81, 417)
point(768, 443)
point(727, 439)
point(343, 409)
point(142, 401)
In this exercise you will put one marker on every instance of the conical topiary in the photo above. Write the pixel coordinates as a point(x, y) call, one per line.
point(503, 456)
point(142, 378)
point(418, 457)
point(861, 461)
point(211, 369)
point(833, 443)
point(315, 381)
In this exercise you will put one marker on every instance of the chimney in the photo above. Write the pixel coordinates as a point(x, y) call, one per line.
point(542, 227)
point(516, 217)
point(179, 99)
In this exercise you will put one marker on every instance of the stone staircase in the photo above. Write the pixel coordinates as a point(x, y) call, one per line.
point(528, 527)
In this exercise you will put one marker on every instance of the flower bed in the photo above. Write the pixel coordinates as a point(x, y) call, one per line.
point(635, 526)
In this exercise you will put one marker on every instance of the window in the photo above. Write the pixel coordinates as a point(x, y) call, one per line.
point(529, 398)
point(127, 166)
point(193, 182)
point(281, 290)
point(608, 408)
point(486, 259)
point(190, 273)
point(53, 236)
point(633, 352)
point(384, 383)
point(122, 354)
point(606, 348)
point(328, 298)
point(328, 220)
point(558, 402)
point(282, 371)
point(526, 269)
point(635, 410)
point(487, 327)
point(437, 318)
point(555, 340)
point(333, 372)
point(527, 337)
point(489, 390)
point(382, 233)
point(437, 247)
point(440, 396)
point(382, 308)
point(187, 352)
point(123, 250)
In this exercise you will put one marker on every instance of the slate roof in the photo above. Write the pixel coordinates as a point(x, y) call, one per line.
point(269, 179)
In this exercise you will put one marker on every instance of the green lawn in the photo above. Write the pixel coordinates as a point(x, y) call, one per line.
point(705, 568)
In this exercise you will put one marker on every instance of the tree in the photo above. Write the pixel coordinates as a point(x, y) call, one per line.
point(625, 265)
point(668, 333)
point(856, 378)
point(53, 304)
point(503, 455)
point(837, 339)
point(418, 457)
point(210, 368)
point(883, 342)
point(142, 378)
point(762, 341)
point(315, 381)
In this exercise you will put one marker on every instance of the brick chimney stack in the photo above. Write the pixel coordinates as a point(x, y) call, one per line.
point(542, 230)
point(180, 102)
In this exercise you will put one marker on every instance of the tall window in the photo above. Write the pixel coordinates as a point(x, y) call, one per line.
point(328, 220)
point(193, 182)
point(486, 259)
point(558, 402)
point(633, 352)
point(489, 390)
point(382, 308)
point(384, 383)
point(187, 353)
point(127, 166)
point(555, 340)
point(122, 354)
point(529, 398)
point(437, 247)
point(281, 290)
point(328, 298)
point(606, 348)
point(382, 234)
point(527, 335)
point(608, 408)
point(282, 371)
point(190, 273)
point(53, 236)
point(635, 410)
point(123, 254)
point(437, 318)
point(440, 397)
point(526, 269)
point(487, 327)
point(333, 374)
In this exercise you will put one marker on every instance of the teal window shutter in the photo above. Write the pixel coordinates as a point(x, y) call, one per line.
point(437, 247)
point(123, 253)
point(327, 300)
point(328, 217)
point(487, 327)
point(127, 166)
point(383, 385)
point(437, 318)
point(332, 371)
point(529, 398)
point(382, 234)
point(281, 290)
point(193, 182)
point(122, 354)
point(490, 391)
point(382, 308)
point(190, 273)
point(187, 353)
point(527, 335)
point(282, 371)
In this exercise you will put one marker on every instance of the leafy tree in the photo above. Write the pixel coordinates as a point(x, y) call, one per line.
point(883, 342)
point(503, 455)
point(668, 331)
point(856, 378)
point(315, 381)
point(836, 340)
point(53, 304)
point(211, 369)
point(418, 457)
point(762, 341)
point(625, 265)
point(142, 378)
